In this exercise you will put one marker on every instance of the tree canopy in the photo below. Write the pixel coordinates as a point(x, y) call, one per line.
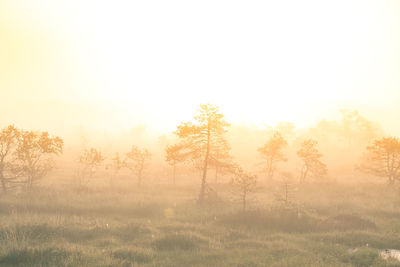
point(201, 141)
point(273, 154)
point(311, 157)
point(383, 159)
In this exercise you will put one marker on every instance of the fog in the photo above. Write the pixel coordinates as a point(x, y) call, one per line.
point(65, 67)
point(209, 133)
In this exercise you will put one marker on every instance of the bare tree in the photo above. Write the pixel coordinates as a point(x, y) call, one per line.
point(34, 154)
point(243, 184)
point(383, 159)
point(8, 143)
point(272, 153)
point(312, 164)
point(136, 161)
point(90, 159)
point(199, 141)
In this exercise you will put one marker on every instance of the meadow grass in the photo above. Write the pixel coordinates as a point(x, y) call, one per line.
point(161, 225)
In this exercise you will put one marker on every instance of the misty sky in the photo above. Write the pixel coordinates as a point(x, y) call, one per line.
point(116, 64)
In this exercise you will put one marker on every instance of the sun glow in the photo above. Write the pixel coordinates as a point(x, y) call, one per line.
point(155, 61)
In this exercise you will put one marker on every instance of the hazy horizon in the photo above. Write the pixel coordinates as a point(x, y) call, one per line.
point(199, 133)
point(77, 64)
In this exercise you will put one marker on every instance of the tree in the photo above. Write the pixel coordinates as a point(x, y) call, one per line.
point(244, 184)
point(357, 129)
point(8, 142)
point(310, 156)
point(173, 157)
point(90, 159)
point(116, 166)
point(199, 141)
point(287, 190)
point(286, 129)
point(383, 159)
point(34, 154)
point(221, 159)
point(136, 161)
point(272, 153)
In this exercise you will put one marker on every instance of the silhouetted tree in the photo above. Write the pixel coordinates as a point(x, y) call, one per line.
point(383, 159)
point(199, 141)
point(34, 154)
point(90, 159)
point(312, 164)
point(243, 184)
point(8, 142)
point(272, 153)
point(136, 161)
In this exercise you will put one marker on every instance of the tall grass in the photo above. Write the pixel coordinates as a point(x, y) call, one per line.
point(335, 225)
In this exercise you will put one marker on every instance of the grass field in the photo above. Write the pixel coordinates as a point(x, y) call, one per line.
point(161, 225)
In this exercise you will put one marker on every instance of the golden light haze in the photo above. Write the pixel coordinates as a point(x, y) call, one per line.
point(112, 65)
point(199, 133)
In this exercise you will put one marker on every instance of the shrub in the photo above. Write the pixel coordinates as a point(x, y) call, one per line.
point(364, 257)
point(348, 221)
point(41, 257)
point(287, 220)
point(133, 255)
point(179, 241)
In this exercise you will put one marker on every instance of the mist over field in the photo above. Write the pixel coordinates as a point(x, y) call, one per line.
point(212, 133)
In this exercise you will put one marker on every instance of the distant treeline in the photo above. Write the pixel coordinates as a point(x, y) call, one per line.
point(202, 144)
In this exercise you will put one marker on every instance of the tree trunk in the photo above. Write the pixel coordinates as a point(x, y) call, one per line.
point(174, 172)
point(244, 202)
point(216, 173)
point(271, 175)
point(286, 194)
point(204, 178)
point(140, 174)
point(391, 180)
point(3, 182)
point(30, 182)
point(270, 169)
point(112, 176)
point(304, 173)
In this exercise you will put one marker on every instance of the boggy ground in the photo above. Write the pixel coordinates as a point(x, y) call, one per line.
point(161, 225)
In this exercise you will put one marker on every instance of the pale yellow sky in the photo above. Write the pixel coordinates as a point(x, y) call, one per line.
point(116, 64)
